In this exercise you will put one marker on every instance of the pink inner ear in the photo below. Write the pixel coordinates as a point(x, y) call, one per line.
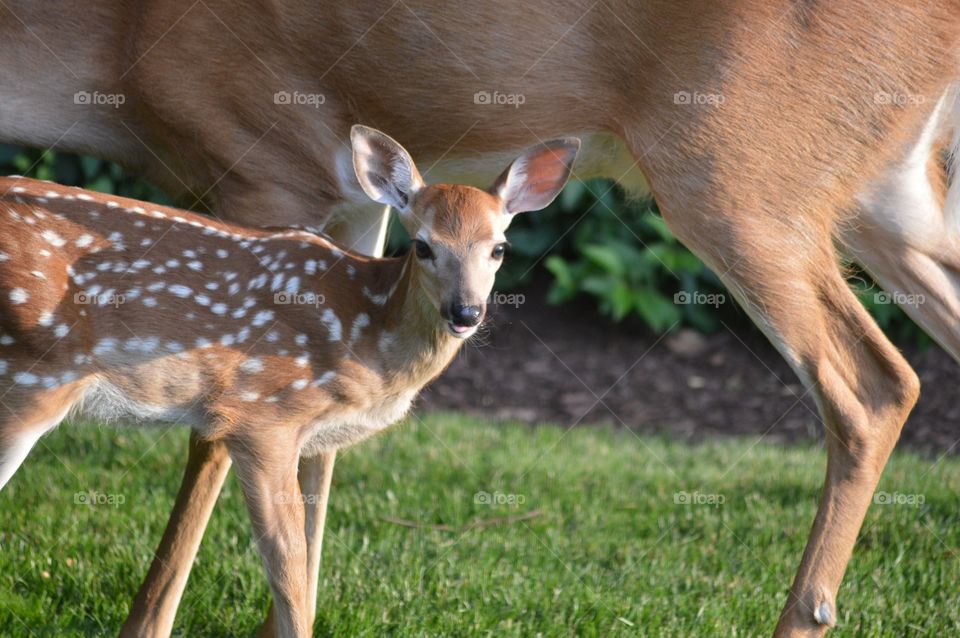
point(542, 174)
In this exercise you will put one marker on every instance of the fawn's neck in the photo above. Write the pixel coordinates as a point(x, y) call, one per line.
point(415, 346)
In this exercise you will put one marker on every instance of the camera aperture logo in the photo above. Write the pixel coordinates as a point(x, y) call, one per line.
point(286, 498)
point(299, 299)
point(698, 498)
point(94, 297)
point(899, 498)
point(884, 298)
point(496, 98)
point(697, 298)
point(93, 498)
point(898, 99)
point(96, 98)
point(497, 499)
point(696, 98)
point(299, 98)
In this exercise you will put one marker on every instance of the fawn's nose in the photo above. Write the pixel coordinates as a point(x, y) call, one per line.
point(467, 316)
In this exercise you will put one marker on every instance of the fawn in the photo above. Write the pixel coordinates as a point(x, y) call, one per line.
point(277, 342)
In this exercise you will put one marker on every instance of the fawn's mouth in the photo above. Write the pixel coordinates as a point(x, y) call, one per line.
point(460, 332)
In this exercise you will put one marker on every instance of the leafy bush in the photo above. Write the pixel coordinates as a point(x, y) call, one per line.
point(75, 170)
point(620, 253)
point(591, 242)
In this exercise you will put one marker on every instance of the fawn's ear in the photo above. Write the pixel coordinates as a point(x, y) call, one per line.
point(384, 169)
point(535, 178)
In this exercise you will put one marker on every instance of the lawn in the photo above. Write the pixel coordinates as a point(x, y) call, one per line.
point(601, 533)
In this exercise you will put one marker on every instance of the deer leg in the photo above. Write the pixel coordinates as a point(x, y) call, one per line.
point(316, 476)
point(20, 429)
point(267, 472)
point(15, 445)
point(908, 243)
point(785, 274)
point(366, 232)
point(155, 605)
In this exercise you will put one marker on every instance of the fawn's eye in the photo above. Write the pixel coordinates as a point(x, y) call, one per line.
point(422, 249)
point(499, 250)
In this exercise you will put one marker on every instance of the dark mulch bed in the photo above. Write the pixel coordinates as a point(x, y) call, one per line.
point(564, 365)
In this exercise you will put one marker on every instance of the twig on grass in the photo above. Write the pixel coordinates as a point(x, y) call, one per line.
point(481, 522)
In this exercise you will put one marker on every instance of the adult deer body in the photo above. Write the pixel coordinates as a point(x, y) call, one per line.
point(821, 121)
point(275, 343)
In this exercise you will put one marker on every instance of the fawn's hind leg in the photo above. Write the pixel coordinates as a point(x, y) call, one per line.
point(155, 606)
point(25, 417)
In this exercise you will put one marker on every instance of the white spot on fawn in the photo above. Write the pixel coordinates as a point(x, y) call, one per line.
point(261, 318)
point(252, 366)
point(332, 322)
point(25, 378)
point(19, 296)
point(325, 378)
point(378, 300)
point(55, 240)
point(359, 323)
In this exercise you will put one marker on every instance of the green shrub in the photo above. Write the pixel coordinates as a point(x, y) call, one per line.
point(75, 170)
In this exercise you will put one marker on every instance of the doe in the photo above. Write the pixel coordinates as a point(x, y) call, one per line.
point(277, 342)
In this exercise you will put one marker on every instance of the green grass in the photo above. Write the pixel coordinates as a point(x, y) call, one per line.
point(611, 554)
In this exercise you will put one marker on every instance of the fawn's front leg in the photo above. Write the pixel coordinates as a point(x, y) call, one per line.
point(266, 468)
point(316, 475)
